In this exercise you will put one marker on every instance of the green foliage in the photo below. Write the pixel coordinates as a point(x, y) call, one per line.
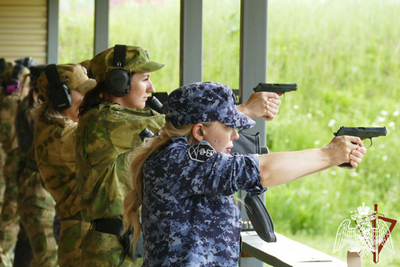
point(344, 56)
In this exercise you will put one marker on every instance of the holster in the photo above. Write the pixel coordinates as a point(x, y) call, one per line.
point(115, 227)
point(260, 218)
point(126, 242)
point(255, 208)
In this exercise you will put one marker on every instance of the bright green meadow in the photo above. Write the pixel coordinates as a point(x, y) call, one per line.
point(345, 57)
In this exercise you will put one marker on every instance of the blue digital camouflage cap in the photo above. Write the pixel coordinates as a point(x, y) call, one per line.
point(206, 101)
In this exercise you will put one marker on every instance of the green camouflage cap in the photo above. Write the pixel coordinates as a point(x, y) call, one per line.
point(136, 60)
point(73, 75)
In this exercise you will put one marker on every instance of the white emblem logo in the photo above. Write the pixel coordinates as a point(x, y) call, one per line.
point(370, 234)
point(201, 152)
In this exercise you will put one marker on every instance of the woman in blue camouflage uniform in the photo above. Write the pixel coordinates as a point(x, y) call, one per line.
point(184, 180)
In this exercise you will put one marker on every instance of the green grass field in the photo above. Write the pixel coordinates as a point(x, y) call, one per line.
point(345, 57)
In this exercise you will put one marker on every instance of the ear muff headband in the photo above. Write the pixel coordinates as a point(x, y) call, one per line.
point(119, 80)
point(59, 93)
point(13, 84)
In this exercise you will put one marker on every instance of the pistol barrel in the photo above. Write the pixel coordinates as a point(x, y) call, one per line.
point(362, 132)
point(275, 87)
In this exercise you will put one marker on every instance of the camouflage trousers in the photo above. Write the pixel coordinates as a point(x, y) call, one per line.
point(71, 235)
point(2, 181)
point(2, 188)
point(101, 249)
point(38, 224)
point(36, 211)
point(9, 224)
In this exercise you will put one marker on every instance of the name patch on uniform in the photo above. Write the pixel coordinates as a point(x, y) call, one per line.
point(201, 152)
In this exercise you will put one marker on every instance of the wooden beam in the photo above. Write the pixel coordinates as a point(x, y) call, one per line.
point(52, 31)
point(101, 23)
point(286, 252)
point(191, 42)
point(253, 69)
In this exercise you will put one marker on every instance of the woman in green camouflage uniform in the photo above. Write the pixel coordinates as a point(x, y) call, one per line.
point(35, 204)
point(13, 81)
point(55, 154)
point(108, 130)
point(3, 66)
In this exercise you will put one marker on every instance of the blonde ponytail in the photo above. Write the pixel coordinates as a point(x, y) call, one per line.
point(134, 198)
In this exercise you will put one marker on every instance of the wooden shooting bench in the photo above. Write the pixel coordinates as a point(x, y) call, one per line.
point(286, 252)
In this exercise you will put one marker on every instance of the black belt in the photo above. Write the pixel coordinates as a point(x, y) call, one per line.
point(115, 227)
point(108, 226)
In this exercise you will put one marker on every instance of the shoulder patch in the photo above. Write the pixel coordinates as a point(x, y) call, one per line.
point(201, 152)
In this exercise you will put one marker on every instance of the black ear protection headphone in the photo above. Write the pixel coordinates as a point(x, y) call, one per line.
point(17, 70)
point(118, 80)
point(201, 132)
point(59, 93)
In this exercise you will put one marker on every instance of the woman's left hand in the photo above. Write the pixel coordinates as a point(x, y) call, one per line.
point(262, 105)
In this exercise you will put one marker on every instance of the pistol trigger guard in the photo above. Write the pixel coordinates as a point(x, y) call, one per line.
point(371, 142)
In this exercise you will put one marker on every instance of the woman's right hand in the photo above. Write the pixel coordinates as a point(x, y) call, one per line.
point(346, 149)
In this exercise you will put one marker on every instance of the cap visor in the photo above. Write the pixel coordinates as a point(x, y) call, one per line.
point(150, 66)
point(239, 121)
point(86, 86)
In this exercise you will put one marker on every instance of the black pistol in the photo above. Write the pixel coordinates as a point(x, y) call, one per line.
point(363, 133)
point(158, 102)
point(275, 87)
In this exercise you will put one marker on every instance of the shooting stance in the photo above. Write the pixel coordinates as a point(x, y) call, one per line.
point(185, 178)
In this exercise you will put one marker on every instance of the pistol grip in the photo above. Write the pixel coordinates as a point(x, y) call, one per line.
point(345, 165)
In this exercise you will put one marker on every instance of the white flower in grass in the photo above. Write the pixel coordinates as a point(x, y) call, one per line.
point(331, 123)
point(396, 113)
point(384, 113)
point(380, 119)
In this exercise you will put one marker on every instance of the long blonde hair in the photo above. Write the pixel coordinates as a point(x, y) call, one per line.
point(134, 198)
point(44, 111)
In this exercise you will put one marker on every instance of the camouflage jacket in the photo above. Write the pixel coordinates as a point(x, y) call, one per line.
point(105, 136)
point(55, 157)
point(189, 214)
point(30, 185)
point(23, 129)
point(8, 111)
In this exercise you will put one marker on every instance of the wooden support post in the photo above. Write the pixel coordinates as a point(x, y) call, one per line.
point(353, 258)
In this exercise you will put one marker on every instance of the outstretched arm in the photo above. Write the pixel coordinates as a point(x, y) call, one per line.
point(283, 167)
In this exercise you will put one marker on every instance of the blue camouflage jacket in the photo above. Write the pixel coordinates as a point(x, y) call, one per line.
point(189, 214)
